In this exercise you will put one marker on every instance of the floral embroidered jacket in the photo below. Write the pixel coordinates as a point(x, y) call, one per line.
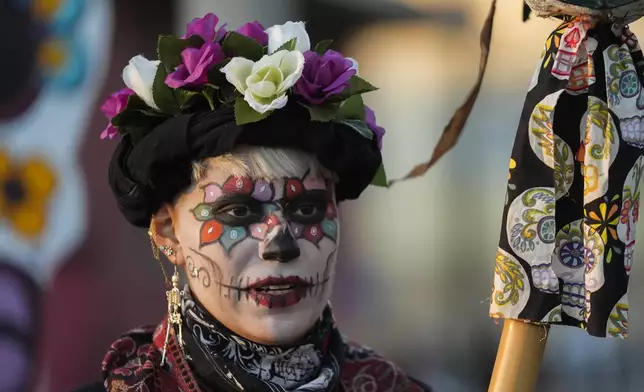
point(132, 364)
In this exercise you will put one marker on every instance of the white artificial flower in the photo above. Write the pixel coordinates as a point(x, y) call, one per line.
point(265, 83)
point(355, 64)
point(278, 35)
point(139, 75)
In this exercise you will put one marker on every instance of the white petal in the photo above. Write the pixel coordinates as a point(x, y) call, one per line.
point(355, 64)
point(139, 76)
point(280, 34)
point(259, 107)
point(291, 66)
point(270, 60)
point(262, 89)
point(237, 70)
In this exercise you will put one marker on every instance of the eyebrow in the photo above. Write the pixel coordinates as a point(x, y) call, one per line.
point(231, 198)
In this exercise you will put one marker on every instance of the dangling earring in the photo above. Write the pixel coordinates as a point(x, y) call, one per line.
point(155, 252)
point(173, 295)
point(174, 311)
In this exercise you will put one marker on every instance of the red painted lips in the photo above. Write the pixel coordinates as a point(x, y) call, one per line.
point(279, 292)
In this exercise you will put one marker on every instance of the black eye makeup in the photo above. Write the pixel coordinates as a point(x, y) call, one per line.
point(309, 207)
point(236, 210)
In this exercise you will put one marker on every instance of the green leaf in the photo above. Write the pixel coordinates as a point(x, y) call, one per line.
point(359, 126)
point(137, 115)
point(169, 49)
point(323, 113)
point(227, 94)
point(380, 179)
point(163, 95)
point(352, 108)
point(323, 46)
point(244, 114)
point(215, 76)
point(288, 45)
point(357, 85)
point(236, 44)
point(185, 97)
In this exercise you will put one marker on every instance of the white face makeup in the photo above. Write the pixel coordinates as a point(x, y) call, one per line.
point(260, 256)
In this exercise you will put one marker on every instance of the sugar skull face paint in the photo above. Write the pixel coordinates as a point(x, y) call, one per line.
point(260, 255)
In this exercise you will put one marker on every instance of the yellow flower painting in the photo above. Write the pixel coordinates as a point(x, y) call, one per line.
point(25, 191)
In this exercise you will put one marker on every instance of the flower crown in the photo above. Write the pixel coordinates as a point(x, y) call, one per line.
point(254, 70)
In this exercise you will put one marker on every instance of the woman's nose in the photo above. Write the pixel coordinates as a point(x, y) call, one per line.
point(282, 247)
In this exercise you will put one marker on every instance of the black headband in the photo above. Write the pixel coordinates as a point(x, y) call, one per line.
point(154, 170)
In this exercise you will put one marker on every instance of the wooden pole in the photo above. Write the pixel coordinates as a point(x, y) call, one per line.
point(519, 357)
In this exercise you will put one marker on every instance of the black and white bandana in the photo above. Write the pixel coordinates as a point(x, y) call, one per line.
point(312, 366)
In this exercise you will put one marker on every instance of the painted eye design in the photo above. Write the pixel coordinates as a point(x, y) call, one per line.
point(239, 211)
point(307, 210)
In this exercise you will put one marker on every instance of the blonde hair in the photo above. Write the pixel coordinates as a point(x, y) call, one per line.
point(264, 163)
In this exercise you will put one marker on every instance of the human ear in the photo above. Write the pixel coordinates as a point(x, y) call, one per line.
point(163, 235)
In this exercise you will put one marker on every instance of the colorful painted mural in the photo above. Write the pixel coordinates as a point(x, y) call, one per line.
point(56, 74)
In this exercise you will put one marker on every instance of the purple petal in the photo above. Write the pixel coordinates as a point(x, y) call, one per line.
point(218, 54)
point(333, 55)
point(323, 75)
point(341, 82)
point(198, 74)
point(309, 91)
point(254, 30)
point(109, 132)
point(191, 57)
point(178, 77)
point(370, 119)
point(109, 108)
point(203, 27)
point(116, 102)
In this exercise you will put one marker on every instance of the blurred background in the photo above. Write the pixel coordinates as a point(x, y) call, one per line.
point(417, 260)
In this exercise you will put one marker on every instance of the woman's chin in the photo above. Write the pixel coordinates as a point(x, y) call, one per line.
point(279, 326)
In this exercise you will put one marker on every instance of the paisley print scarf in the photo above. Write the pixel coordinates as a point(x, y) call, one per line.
point(310, 367)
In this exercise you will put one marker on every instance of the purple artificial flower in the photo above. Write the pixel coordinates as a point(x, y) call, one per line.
point(324, 76)
point(113, 106)
point(196, 64)
point(254, 30)
point(370, 119)
point(206, 28)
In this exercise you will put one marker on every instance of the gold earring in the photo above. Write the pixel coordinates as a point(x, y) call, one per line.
point(155, 252)
point(174, 311)
point(152, 232)
point(168, 251)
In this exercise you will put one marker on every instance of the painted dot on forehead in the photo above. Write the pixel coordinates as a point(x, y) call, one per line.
point(293, 188)
point(238, 185)
point(314, 183)
point(232, 236)
point(211, 193)
point(263, 191)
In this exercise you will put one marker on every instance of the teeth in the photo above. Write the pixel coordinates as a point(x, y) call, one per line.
point(283, 287)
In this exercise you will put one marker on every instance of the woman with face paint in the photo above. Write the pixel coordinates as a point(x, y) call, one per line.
point(234, 150)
